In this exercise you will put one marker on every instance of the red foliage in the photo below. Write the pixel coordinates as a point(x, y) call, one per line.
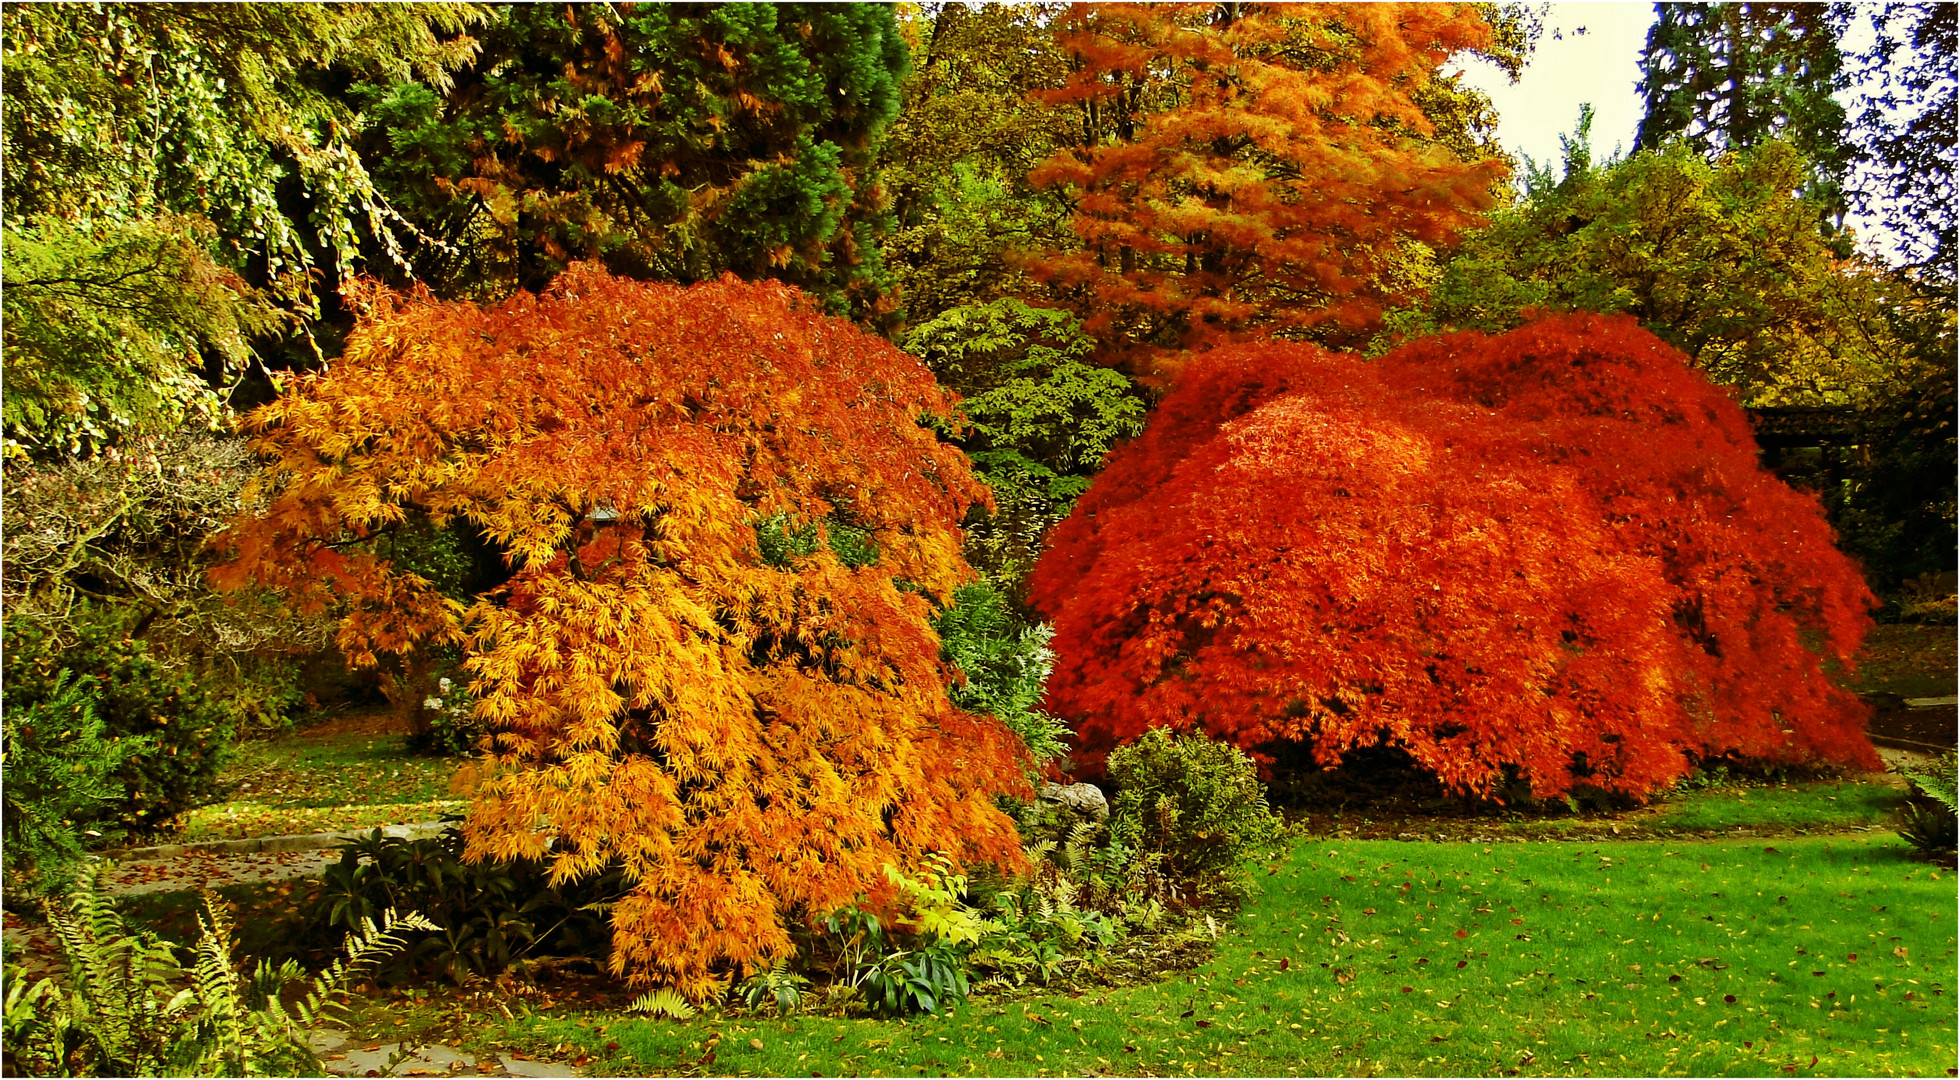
point(1252, 168)
point(1552, 549)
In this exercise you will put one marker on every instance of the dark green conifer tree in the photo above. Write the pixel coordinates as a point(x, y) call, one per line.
point(1728, 76)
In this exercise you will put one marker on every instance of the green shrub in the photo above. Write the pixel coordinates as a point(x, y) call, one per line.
point(185, 736)
point(1039, 417)
point(494, 916)
point(1196, 802)
point(60, 787)
point(1006, 666)
point(262, 691)
point(125, 1006)
point(894, 972)
point(127, 532)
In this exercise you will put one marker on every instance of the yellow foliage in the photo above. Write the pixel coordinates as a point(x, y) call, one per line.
point(753, 739)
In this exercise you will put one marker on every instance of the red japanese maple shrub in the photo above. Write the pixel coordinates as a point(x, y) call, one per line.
point(1551, 551)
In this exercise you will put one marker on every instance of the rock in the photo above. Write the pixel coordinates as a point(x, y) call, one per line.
point(1084, 801)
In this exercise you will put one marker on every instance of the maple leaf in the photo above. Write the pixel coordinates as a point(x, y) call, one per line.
point(747, 738)
point(1550, 555)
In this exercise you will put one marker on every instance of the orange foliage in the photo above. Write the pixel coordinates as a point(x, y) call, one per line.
point(753, 742)
point(1552, 550)
point(1252, 167)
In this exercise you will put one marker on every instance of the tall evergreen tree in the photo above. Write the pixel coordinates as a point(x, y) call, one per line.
point(1727, 76)
point(1905, 132)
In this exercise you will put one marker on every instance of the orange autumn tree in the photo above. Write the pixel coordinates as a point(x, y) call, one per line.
point(712, 663)
point(1549, 555)
point(1253, 168)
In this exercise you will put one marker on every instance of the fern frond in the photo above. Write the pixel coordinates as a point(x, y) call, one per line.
point(368, 943)
point(664, 1001)
point(1076, 851)
point(1939, 780)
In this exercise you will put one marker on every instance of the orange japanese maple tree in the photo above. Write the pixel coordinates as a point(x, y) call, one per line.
point(1252, 167)
point(1549, 555)
point(754, 736)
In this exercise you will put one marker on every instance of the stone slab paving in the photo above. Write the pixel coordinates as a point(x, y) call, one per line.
point(259, 844)
point(348, 1056)
point(177, 868)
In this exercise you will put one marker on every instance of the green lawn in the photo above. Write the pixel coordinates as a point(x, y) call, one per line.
point(1824, 805)
point(302, 784)
point(1806, 956)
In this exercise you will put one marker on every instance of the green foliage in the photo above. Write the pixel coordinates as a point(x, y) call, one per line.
point(1006, 664)
point(1039, 417)
point(778, 985)
point(492, 916)
point(126, 1006)
point(130, 112)
point(957, 156)
point(61, 781)
point(1727, 76)
point(852, 545)
point(1723, 261)
point(668, 141)
point(925, 959)
point(440, 554)
point(665, 1001)
point(103, 330)
point(1931, 829)
point(1060, 920)
point(181, 735)
point(178, 182)
point(1199, 803)
point(919, 966)
point(446, 723)
point(780, 542)
point(1932, 818)
point(912, 981)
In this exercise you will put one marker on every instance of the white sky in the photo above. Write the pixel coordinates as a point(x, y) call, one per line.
point(1600, 65)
